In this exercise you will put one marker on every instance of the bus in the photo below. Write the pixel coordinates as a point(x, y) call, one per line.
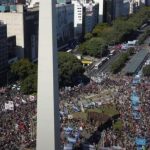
point(86, 62)
point(100, 63)
point(69, 51)
point(112, 52)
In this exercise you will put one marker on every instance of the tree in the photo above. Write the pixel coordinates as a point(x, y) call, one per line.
point(122, 27)
point(29, 84)
point(99, 29)
point(131, 51)
point(109, 35)
point(119, 63)
point(27, 74)
point(146, 70)
point(69, 68)
point(22, 68)
point(88, 36)
point(96, 47)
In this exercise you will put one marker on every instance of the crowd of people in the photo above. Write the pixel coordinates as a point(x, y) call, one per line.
point(125, 137)
point(18, 115)
point(132, 127)
point(17, 119)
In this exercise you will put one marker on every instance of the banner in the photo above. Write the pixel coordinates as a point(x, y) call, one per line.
point(9, 105)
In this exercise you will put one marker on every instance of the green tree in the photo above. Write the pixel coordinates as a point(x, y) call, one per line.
point(69, 68)
point(146, 70)
point(119, 63)
point(131, 51)
point(96, 47)
point(109, 35)
point(99, 29)
point(29, 84)
point(27, 74)
point(22, 68)
point(88, 36)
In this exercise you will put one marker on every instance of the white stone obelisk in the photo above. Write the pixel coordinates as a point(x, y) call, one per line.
point(48, 136)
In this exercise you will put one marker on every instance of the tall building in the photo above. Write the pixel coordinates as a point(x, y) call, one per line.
point(23, 24)
point(118, 8)
point(3, 53)
point(31, 18)
point(147, 2)
point(91, 16)
point(101, 10)
point(7, 2)
point(78, 19)
point(121, 8)
point(64, 24)
point(85, 17)
point(11, 42)
point(63, 1)
point(108, 15)
point(32, 3)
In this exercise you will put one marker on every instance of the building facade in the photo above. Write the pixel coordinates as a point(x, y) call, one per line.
point(118, 8)
point(86, 15)
point(147, 2)
point(121, 8)
point(63, 1)
point(101, 10)
point(64, 24)
point(11, 42)
point(31, 17)
point(15, 26)
point(91, 16)
point(108, 14)
point(78, 19)
point(23, 24)
point(3, 53)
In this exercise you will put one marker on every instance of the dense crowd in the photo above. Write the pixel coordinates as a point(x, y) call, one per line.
point(18, 122)
point(18, 115)
point(131, 127)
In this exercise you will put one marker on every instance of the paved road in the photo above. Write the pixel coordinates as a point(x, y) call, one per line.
point(104, 68)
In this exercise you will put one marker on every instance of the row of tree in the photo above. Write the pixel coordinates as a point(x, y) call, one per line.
point(146, 70)
point(144, 36)
point(26, 72)
point(105, 34)
point(120, 62)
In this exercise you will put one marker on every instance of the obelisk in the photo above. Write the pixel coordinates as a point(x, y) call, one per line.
point(48, 136)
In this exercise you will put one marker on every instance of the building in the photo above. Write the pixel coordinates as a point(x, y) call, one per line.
point(7, 2)
point(86, 15)
point(63, 1)
point(11, 42)
point(78, 18)
point(121, 8)
point(91, 16)
point(3, 53)
point(32, 3)
point(108, 14)
point(64, 24)
point(118, 8)
point(22, 23)
point(147, 2)
point(31, 18)
point(101, 10)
